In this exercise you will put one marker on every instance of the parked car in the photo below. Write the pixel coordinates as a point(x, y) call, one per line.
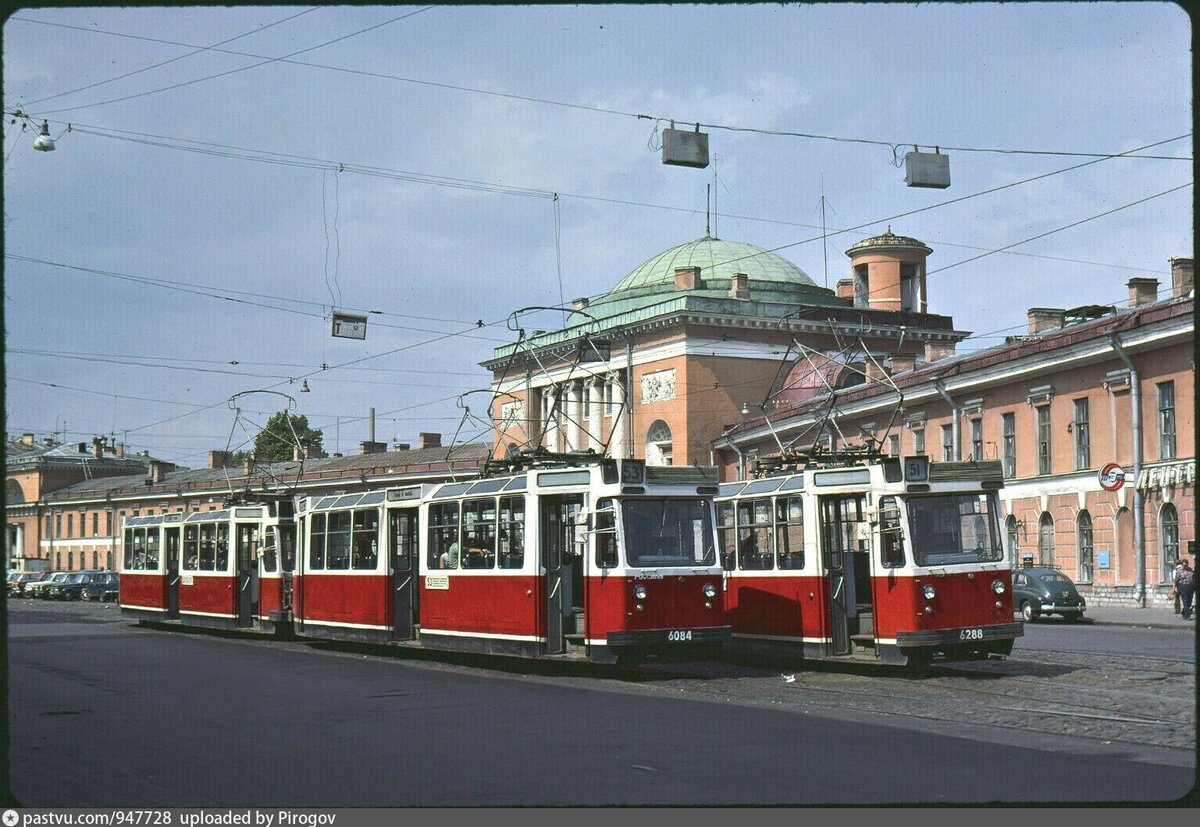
point(1043, 590)
point(38, 588)
point(71, 588)
point(18, 580)
point(104, 587)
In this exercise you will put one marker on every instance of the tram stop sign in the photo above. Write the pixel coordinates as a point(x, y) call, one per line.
point(1112, 477)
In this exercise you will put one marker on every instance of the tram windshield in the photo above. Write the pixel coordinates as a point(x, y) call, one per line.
point(668, 532)
point(954, 528)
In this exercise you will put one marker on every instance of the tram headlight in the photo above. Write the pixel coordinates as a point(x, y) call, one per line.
point(929, 591)
point(710, 590)
point(998, 586)
point(639, 592)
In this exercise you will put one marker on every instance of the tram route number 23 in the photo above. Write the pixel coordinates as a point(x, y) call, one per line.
point(676, 635)
point(971, 634)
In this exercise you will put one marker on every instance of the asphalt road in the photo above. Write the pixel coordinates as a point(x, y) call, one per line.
point(105, 714)
point(1173, 644)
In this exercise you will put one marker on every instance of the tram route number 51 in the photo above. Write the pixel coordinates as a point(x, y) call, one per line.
point(676, 635)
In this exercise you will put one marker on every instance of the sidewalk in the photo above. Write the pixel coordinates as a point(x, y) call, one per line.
point(1149, 618)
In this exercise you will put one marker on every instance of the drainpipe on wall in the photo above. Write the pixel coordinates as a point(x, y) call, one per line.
point(954, 414)
point(1139, 528)
point(741, 466)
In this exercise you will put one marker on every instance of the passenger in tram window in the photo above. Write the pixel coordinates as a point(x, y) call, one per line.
point(479, 556)
point(449, 557)
point(364, 551)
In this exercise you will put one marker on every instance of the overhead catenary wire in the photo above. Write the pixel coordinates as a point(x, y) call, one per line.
point(288, 59)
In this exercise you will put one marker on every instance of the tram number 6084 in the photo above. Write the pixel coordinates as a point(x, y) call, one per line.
point(971, 634)
point(679, 635)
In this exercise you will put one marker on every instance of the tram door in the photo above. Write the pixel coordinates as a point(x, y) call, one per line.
point(844, 553)
point(247, 574)
point(564, 570)
point(171, 541)
point(402, 536)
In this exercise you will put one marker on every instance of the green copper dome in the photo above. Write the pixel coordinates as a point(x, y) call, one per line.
point(718, 260)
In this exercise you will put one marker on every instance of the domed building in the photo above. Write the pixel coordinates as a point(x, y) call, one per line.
point(704, 335)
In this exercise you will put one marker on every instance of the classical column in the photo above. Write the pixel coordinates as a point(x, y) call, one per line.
point(574, 415)
point(595, 390)
point(550, 420)
point(620, 419)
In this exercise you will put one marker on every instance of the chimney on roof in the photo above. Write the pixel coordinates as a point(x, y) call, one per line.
point(938, 350)
point(687, 278)
point(429, 440)
point(579, 304)
point(902, 362)
point(1142, 290)
point(845, 289)
point(218, 459)
point(156, 472)
point(1044, 318)
point(27, 439)
point(371, 447)
point(1183, 277)
point(120, 451)
point(401, 446)
point(83, 448)
point(874, 371)
point(48, 441)
point(98, 447)
point(739, 286)
point(248, 465)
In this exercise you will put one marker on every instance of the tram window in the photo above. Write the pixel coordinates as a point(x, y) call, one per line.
point(222, 547)
point(789, 532)
point(754, 535)
point(479, 533)
point(287, 548)
point(316, 543)
point(191, 548)
point(727, 535)
point(512, 532)
point(337, 541)
point(131, 541)
point(152, 549)
point(208, 550)
point(668, 532)
point(269, 553)
point(956, 528)
point(402, 537)
point(366, 539)
point(890, 533)
point(606, 534)
point(443, 536)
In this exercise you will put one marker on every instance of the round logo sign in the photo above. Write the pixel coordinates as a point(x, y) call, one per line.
point(1112, 477)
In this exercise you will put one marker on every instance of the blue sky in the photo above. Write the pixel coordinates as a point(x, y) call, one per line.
point(195, 215)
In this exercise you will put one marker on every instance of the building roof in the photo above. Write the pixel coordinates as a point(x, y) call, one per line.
point(20, 456)
point(771, 276)
point(284, 474)
point(888, 242)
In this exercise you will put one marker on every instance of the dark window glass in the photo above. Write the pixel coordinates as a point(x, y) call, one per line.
point(755, 552)
point(366, 539)
point(1166, 420)
point(443, 536)
point(789, 532)
point(512, 532)
point(1083, 449)
point(316, 542)
point(1084, 528)
point(606, 534)
point(1010, 444)
point(1043, 437)
point(337, 541)
point(891, 533)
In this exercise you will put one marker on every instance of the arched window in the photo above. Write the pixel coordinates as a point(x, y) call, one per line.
point(13, 492)
point(1046, 539)
point(1083, 538)
point(658, 444)
point(1168, 532)
point(1010, 529)
point(108, 560)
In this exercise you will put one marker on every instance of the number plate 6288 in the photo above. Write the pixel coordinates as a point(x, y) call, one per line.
point(971, 634)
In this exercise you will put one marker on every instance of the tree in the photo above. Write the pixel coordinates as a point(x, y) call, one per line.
point(276, 442)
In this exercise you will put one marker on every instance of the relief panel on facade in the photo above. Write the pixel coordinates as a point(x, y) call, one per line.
point(658, 386)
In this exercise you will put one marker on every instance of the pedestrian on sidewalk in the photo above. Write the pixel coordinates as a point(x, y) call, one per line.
point(1175, 591)
point(1185, 587)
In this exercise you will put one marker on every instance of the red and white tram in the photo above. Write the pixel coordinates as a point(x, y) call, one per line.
point(604, 560)
point(868, 559)
point(220, 569)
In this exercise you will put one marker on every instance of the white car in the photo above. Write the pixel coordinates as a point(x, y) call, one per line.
point(38, 589)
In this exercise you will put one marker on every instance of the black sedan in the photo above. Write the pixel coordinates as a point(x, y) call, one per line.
point(72, 587)
point(1042, 590)
point(106, 586)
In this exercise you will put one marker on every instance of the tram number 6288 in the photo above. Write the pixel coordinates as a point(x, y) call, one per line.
point(679, 635)
point(971, 634)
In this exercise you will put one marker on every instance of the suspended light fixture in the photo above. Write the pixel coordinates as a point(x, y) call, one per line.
point(43, 142)
point(304, 386)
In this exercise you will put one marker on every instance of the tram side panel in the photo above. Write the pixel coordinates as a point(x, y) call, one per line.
point(496, 612)
point(354, 605)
